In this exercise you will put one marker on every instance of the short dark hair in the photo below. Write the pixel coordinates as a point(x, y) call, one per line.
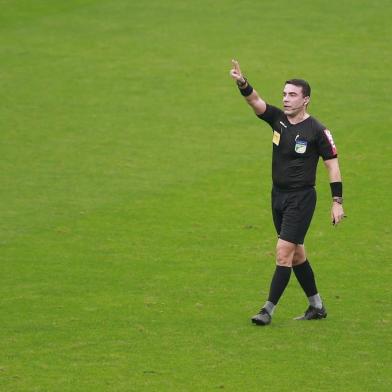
point(301, 83)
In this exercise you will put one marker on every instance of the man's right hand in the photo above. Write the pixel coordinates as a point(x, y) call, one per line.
point(253, 100)
point(236, 73)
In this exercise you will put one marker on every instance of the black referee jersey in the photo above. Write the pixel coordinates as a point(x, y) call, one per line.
point(296, 149)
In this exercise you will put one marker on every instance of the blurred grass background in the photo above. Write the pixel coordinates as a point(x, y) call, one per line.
point(136, 237)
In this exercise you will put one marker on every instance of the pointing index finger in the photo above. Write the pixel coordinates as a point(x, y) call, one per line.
point(236, 65)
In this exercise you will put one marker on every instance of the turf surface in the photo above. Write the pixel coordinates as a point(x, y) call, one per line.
point(136, 236)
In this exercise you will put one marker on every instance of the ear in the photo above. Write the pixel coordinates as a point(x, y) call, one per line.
point(306, 102)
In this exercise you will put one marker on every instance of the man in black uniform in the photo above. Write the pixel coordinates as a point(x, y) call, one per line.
point(298, 140)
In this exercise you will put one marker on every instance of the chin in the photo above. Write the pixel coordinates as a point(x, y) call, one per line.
point(291, 113)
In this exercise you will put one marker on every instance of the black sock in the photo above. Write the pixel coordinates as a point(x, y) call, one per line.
point(305, 276)
point(279, 282)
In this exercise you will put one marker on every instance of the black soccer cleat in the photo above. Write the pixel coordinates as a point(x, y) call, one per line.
point(313, 313)
point(262, 318)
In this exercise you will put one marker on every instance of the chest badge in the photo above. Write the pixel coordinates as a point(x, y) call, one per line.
point(276, 138)
point(300, 146)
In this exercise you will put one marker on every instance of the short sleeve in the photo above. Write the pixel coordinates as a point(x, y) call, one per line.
point(326, 145)
point(271, 114)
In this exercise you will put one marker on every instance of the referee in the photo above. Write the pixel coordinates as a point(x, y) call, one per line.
point(298, 140)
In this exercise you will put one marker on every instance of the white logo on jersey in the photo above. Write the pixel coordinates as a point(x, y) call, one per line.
point(283, 124)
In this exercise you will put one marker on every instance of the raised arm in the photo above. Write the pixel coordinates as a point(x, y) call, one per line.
point(253, 99)
point(335, 179)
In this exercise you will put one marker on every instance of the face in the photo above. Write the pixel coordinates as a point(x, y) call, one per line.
point(293, 100)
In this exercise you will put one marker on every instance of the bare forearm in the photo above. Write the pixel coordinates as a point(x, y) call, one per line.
point(254, 101)
point(333, 170)
point(252, 98)
point(334, 175)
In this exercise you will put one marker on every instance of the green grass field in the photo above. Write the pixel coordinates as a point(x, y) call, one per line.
point(136, 233)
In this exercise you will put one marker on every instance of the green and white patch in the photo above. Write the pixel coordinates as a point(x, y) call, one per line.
point(300, 146)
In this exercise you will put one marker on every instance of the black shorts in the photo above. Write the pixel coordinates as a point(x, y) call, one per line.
point(292, 213)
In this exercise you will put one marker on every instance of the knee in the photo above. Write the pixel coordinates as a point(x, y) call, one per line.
point(299, 255)
point(284, 255)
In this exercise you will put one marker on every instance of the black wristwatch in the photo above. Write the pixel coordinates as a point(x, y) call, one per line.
point(338, 199)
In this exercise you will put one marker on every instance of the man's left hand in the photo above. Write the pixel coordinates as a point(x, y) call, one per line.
point(337, 213)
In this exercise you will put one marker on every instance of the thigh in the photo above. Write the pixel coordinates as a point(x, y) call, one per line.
point(297, 215)
point(277, 215)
